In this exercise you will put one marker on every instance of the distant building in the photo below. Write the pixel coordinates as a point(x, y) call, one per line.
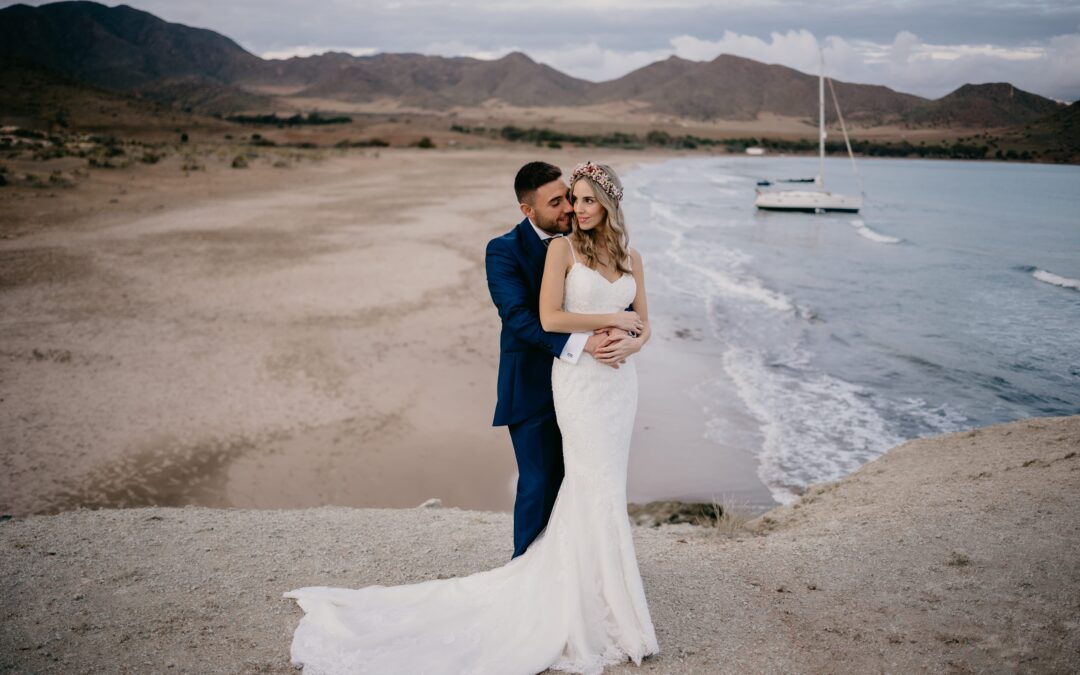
point(755, 151)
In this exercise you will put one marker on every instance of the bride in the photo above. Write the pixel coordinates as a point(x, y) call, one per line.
point(573, 601)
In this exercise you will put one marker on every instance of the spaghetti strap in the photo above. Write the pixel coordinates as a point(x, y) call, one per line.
point(573, 256)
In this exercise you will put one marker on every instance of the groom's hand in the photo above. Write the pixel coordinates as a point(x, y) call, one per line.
point(617, 348)
point(600, 338)
point(595, 341)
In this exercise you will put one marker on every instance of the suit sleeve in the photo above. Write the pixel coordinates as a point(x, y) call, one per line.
point(511, 297)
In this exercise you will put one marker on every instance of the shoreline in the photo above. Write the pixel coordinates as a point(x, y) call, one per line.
point(270, 338)
point(672, 419)
point(972, 537)
point(314, 364)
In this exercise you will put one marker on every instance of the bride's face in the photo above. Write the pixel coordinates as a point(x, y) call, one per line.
point(587, 208)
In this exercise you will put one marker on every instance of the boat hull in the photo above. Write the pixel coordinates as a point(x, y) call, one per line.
point(807, 201)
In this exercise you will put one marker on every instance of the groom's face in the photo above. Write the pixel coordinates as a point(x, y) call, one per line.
point(550, 209)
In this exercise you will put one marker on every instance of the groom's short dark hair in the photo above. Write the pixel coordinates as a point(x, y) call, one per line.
point(532, 176)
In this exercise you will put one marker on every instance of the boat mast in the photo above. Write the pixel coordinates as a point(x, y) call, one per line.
point(821, 121)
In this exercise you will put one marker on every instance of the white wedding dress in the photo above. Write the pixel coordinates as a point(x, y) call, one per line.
point(572, 602)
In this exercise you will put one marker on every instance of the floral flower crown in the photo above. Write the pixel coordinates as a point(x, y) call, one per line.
point(599, 176)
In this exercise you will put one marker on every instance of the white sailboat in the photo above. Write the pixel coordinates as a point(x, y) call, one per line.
point(818, 200)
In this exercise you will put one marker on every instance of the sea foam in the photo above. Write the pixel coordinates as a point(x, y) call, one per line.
point(1055, 279)
point(818, 427)
point(725, 269)
point(873, 235)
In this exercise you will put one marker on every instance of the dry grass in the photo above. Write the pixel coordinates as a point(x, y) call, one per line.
point(731, 516)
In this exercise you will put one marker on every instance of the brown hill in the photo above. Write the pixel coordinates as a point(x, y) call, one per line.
point(39, 98)
point(122, 48)
point(736, 88)
point(296, 72)
point(195, 69)
point(125, 49)
point(195, 93)
point(1065, 125)
point(997, 104)
point(1055, 138)
point(117, 47)
point(436, 82)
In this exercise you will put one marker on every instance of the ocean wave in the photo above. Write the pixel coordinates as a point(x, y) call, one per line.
point(817, 427)
point(726, 185)
point(724, 270)
point(873, 235)
point(725, 179)
point(665, 214)
point(1055, 279)
point(749, 288)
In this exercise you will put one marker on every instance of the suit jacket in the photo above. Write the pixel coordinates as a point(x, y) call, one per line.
point(515, 266)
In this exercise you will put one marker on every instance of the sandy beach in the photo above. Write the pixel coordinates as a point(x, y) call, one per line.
point(314, 329)
point(209, 378)
point(951, 554)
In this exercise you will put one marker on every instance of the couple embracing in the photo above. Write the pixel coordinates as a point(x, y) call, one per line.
point(570, 293)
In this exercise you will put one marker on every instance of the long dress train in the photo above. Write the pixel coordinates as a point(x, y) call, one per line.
point(572, 602)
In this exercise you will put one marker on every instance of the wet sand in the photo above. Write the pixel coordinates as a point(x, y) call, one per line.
point(313, 333)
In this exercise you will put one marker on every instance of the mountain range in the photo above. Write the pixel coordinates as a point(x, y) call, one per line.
point(127, 50)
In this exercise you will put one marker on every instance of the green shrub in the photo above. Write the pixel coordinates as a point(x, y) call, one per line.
point(297, 119)
point(657, 137)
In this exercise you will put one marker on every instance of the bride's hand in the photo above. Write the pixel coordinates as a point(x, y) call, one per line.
point(617, 349)
point(628, 321)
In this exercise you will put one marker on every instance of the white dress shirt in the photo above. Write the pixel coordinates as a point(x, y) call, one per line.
point(576, 344)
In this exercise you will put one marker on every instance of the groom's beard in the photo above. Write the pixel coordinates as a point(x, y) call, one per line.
point(561, 225)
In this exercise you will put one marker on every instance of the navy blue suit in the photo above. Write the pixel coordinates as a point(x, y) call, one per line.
point(515, 266)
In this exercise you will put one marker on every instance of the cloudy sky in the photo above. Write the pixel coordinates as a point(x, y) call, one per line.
point(916, 46)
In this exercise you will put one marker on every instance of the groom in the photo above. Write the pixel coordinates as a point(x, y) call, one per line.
point(515, 265)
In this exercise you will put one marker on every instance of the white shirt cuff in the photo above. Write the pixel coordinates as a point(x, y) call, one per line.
point(574, 346)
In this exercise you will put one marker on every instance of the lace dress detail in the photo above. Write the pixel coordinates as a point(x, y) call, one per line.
point(573, 602)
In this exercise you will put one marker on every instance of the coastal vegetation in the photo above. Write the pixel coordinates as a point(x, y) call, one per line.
point(979, 146)
point(313, 118)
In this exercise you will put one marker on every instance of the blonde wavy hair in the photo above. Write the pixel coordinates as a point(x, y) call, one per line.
point(611, 235)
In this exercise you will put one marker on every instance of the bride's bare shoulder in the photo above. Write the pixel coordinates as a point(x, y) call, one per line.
point(560, 253)
point(559, 243)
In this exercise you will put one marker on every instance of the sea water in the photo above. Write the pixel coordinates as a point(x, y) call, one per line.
point(951, 301)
